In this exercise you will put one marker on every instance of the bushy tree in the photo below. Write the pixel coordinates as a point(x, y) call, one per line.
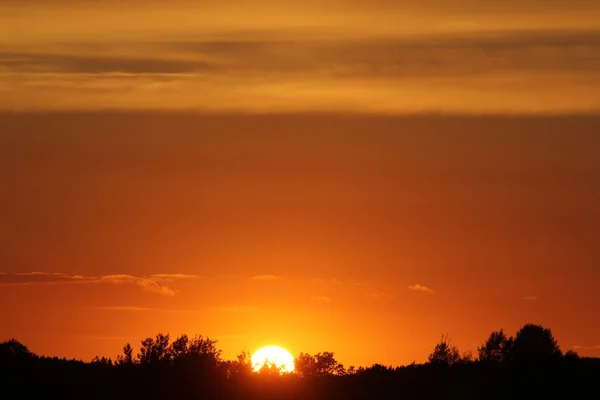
point(444, 353)
point(154, 351)
point(13, 348)
point(179, 347)
point(572, 355)
point(270, 368)
point(241, 367)
point(320, 364)
point(205, 349)
point(467, 357)
point(496, 348)
point(534, 343)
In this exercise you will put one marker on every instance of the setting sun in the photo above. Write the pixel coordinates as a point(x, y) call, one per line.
point(282, 358)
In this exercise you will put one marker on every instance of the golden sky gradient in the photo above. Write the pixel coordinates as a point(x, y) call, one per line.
point(379, 56)
point(347, 176)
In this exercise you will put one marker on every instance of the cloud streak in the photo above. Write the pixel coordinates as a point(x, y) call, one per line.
point(72, 63)
point(265, 278)
point(147, 283)
point(420, 288)
point(124, 308)
point(501, 71)
point(321, 299)
point(596, 347)
point(378, 295)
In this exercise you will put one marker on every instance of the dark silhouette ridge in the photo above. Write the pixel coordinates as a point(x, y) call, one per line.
point(530, 365)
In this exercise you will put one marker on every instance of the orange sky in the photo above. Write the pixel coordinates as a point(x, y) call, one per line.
point(281, 173)
point(300, 230)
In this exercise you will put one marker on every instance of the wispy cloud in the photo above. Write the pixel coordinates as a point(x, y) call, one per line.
point(35, 277)
point(531, 298)
point(147, 283)
point(105, 337)
point(173, 277)
point(596, 347)
point(43, 62)
point(321, 299)
point(125, 308)
point(238, 307)
point(265, 277)
point(450, 72)
point(420, 288)
point(378, 295)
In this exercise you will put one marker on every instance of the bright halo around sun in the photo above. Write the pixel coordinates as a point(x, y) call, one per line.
point(278, 356)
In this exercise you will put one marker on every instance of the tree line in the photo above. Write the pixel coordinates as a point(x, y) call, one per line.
point(532, 343)
point(186, 367)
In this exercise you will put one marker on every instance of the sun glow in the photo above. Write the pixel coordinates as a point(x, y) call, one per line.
point(278, 356)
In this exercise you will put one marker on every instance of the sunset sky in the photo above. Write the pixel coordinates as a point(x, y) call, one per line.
point(347, 176)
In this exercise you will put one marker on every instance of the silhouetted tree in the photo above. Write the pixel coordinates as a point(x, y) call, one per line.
point(534, 343)
point(102, 361)
point(321, 364)
point(13, 348)
point(496, 348)
point(270, 368)
point(127, 357)
point(304, 364)
point(444, 353)
point(205, 348)
point(179, 348)
point(572, 355)
point(193, 368)
point(154, 350)
point(466, 357)
point(242, 366)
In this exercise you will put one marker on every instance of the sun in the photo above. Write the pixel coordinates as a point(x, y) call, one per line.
point(279, 356)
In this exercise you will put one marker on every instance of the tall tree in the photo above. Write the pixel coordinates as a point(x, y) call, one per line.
point(127, 357)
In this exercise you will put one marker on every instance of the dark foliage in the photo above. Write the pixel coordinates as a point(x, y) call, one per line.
point(534, 343)
point(530, 366)
point(496, 348)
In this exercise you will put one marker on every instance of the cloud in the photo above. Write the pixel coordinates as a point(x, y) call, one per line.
point(105, 337)
point(503, 71)
point(71, 63)
point(450, 55)
point(125, 308)
point(238, 307)
point(229, 337)
point(378, 295)
point(531, 298)
point(148, 284)
point(173, 277)
point(35, 277)
point(596, 347)
point(321, 299)
point(419, 288)
point(265, 277)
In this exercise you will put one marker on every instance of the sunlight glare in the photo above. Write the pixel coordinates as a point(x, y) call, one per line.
point(282, 358)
